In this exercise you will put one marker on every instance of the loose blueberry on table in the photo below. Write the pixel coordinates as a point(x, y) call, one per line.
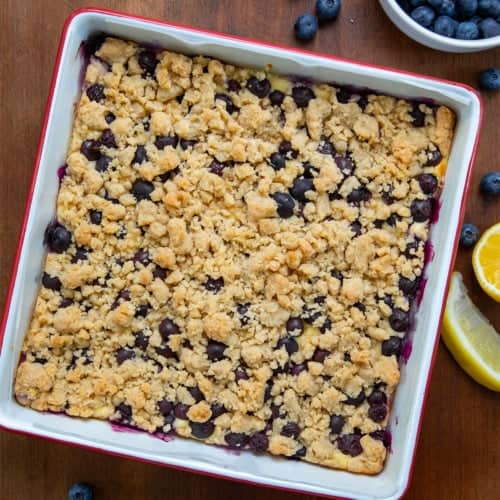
point(80, 491)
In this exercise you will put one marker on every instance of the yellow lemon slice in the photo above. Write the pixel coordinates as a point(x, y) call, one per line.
point(470, 337)
point(486, 261)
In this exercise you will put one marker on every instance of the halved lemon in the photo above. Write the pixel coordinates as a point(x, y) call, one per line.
point(486, 261)
point(470, 337)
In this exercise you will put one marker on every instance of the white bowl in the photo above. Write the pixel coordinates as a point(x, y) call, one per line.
point(406, 414)
point(427, 37)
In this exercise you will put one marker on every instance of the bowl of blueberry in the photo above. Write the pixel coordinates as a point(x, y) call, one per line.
point(448, 25)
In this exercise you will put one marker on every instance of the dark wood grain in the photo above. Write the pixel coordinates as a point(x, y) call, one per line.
point(459, 453)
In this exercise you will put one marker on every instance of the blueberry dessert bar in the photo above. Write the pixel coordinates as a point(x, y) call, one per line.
point(235, 256)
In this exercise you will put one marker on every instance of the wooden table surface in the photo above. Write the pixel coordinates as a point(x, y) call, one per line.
point(458, 456)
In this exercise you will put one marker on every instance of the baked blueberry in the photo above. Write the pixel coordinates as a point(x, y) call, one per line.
point(286, 149)
point(355, 400)
point(230, 107)
point(242, 310)
point(289, 343)
point(167, 327)
point(469, 235)
point(140, 155)
point(377, 397)
point(218, 409)
point(236, 440)
point(95, 92)
point(109, 117)
point(359, 195)
point(162, 141)
point(123, 354)
point(423, 15)
point(165, 407)
point(276, 97)
point(297, 369)
point(399, 320)
point(214, 285)
point(202, 430)
point(300, 453)
point(418, 116)
point(305, 27)
point(141, 340)
point(233, 85)
point(90, 149)
point(337, 423)
point(258, 442)
point(80, 254)
point(57, 237)
point(102, 163)
point(326, 148)
point(421, 210)
point(240, 373)
point(343, 96)
point(434, 157)
point(320, 355)
point(428, 183)
point(260, 88)
point(148, 62)
point(391, 346)
point(215, 350)
point(142, 189)
point(196, 393)
point(159, 272)
point(356, 228)
point(345, 164)
point(302, 95)
point(377, 412)
point(295, 326)
point(277, 161)
point(286, 204)
point(300, 187)
point(51, 282)
point(180, 411)
point(142, 256)
point(407, 286)
point(349, 444)
point(108, 139)
point(291, 429)
point(166, 352)
point(216, 167)
point(187, 143)
point(141, 311)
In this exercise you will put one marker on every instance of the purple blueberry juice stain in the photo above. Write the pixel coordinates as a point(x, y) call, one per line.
point(61, 172)
point(428, 252)
point(420, 291)
point(125, 428)
point(165, 437)
point(436, 209)
point(406, 350)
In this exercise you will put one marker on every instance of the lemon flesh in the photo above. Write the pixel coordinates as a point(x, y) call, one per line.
point(470, 337)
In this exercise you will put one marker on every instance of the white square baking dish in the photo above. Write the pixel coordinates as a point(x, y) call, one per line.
point(178, 453)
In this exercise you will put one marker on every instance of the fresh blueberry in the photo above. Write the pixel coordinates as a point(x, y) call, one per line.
point(490, 184)
point(423, 15)
point(490, 79)
point(80, 491)
point(215, 350)
point(162, 141)
point(467, 31)
point(90, 149)
point(236, 440)
point(140, 155)
point(466, 8)
point(95, 92)
point(285, 203)
point(428, 183)
point(444, 7)
point(202, 430)
point(57, 237)
point(421, 210)
point(489, 8)
point(489, 27)
point(148, 62)
point(469, 235)
point(51, 282)
point(142, 189)
point(260, 88)
point(295, 325)
point(327, 10)
point(300, 187)
point(302, 95)
point(167, 327)
point(214, 285)
point(445, 26)
point(277, 161)
point(276, 97)
point(349, 444)
point(123, 354)
point(417, 3)
point(399, 320)
point(405, 5)
point(306, 27)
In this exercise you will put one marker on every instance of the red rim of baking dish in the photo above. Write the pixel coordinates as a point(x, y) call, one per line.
point(29, 200)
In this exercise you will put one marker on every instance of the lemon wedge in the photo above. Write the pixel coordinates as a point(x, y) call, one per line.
point(486, 261)
point(470, 337)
